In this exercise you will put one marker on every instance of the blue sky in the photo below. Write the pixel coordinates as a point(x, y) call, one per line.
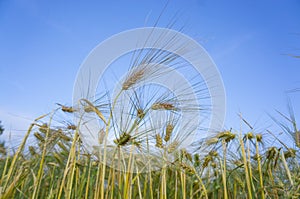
point(43, 43)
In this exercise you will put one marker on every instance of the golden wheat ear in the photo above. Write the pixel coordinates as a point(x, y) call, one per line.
point(67, 109)
point(132, 79)
point(158, 139)
point(169, 130)
point(94, 109)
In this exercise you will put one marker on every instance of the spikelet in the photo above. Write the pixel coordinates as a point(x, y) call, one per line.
point(169, 130)
point(212, 141)
point(249, 135)
point(188, 168)
point(271, 152)
point(158, 141)
point(71, 127)
point(136, 143)
point(80, 163)
point(58, 158)
point(172, 146)
point(213, 164)
point(226, 135)
point(207, 159)
point(213, 153)
point(276, 158)
point(187, 155)
point(95, 163)
point(133, 78)
point(39, 137)
point(230, 137)
point(43, 128)
point(291, 153)
point(52, 138)
point(32, 150)
point(163, 106)
point(62, 146)
point(259, 137)
point(196, 160)
point(67, 109)
point(64, 137)
point(88, 109)
point(94, 109)
point(123, 140)
point(256, 157)
point(140, 113)
point(239, 181)
point(223, 134)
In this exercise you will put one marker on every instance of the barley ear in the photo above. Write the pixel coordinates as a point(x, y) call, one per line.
point(95, 109)
point(158, 141)
point(169, 130)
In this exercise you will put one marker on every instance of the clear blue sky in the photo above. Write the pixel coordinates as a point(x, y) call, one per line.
point(43, 43)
